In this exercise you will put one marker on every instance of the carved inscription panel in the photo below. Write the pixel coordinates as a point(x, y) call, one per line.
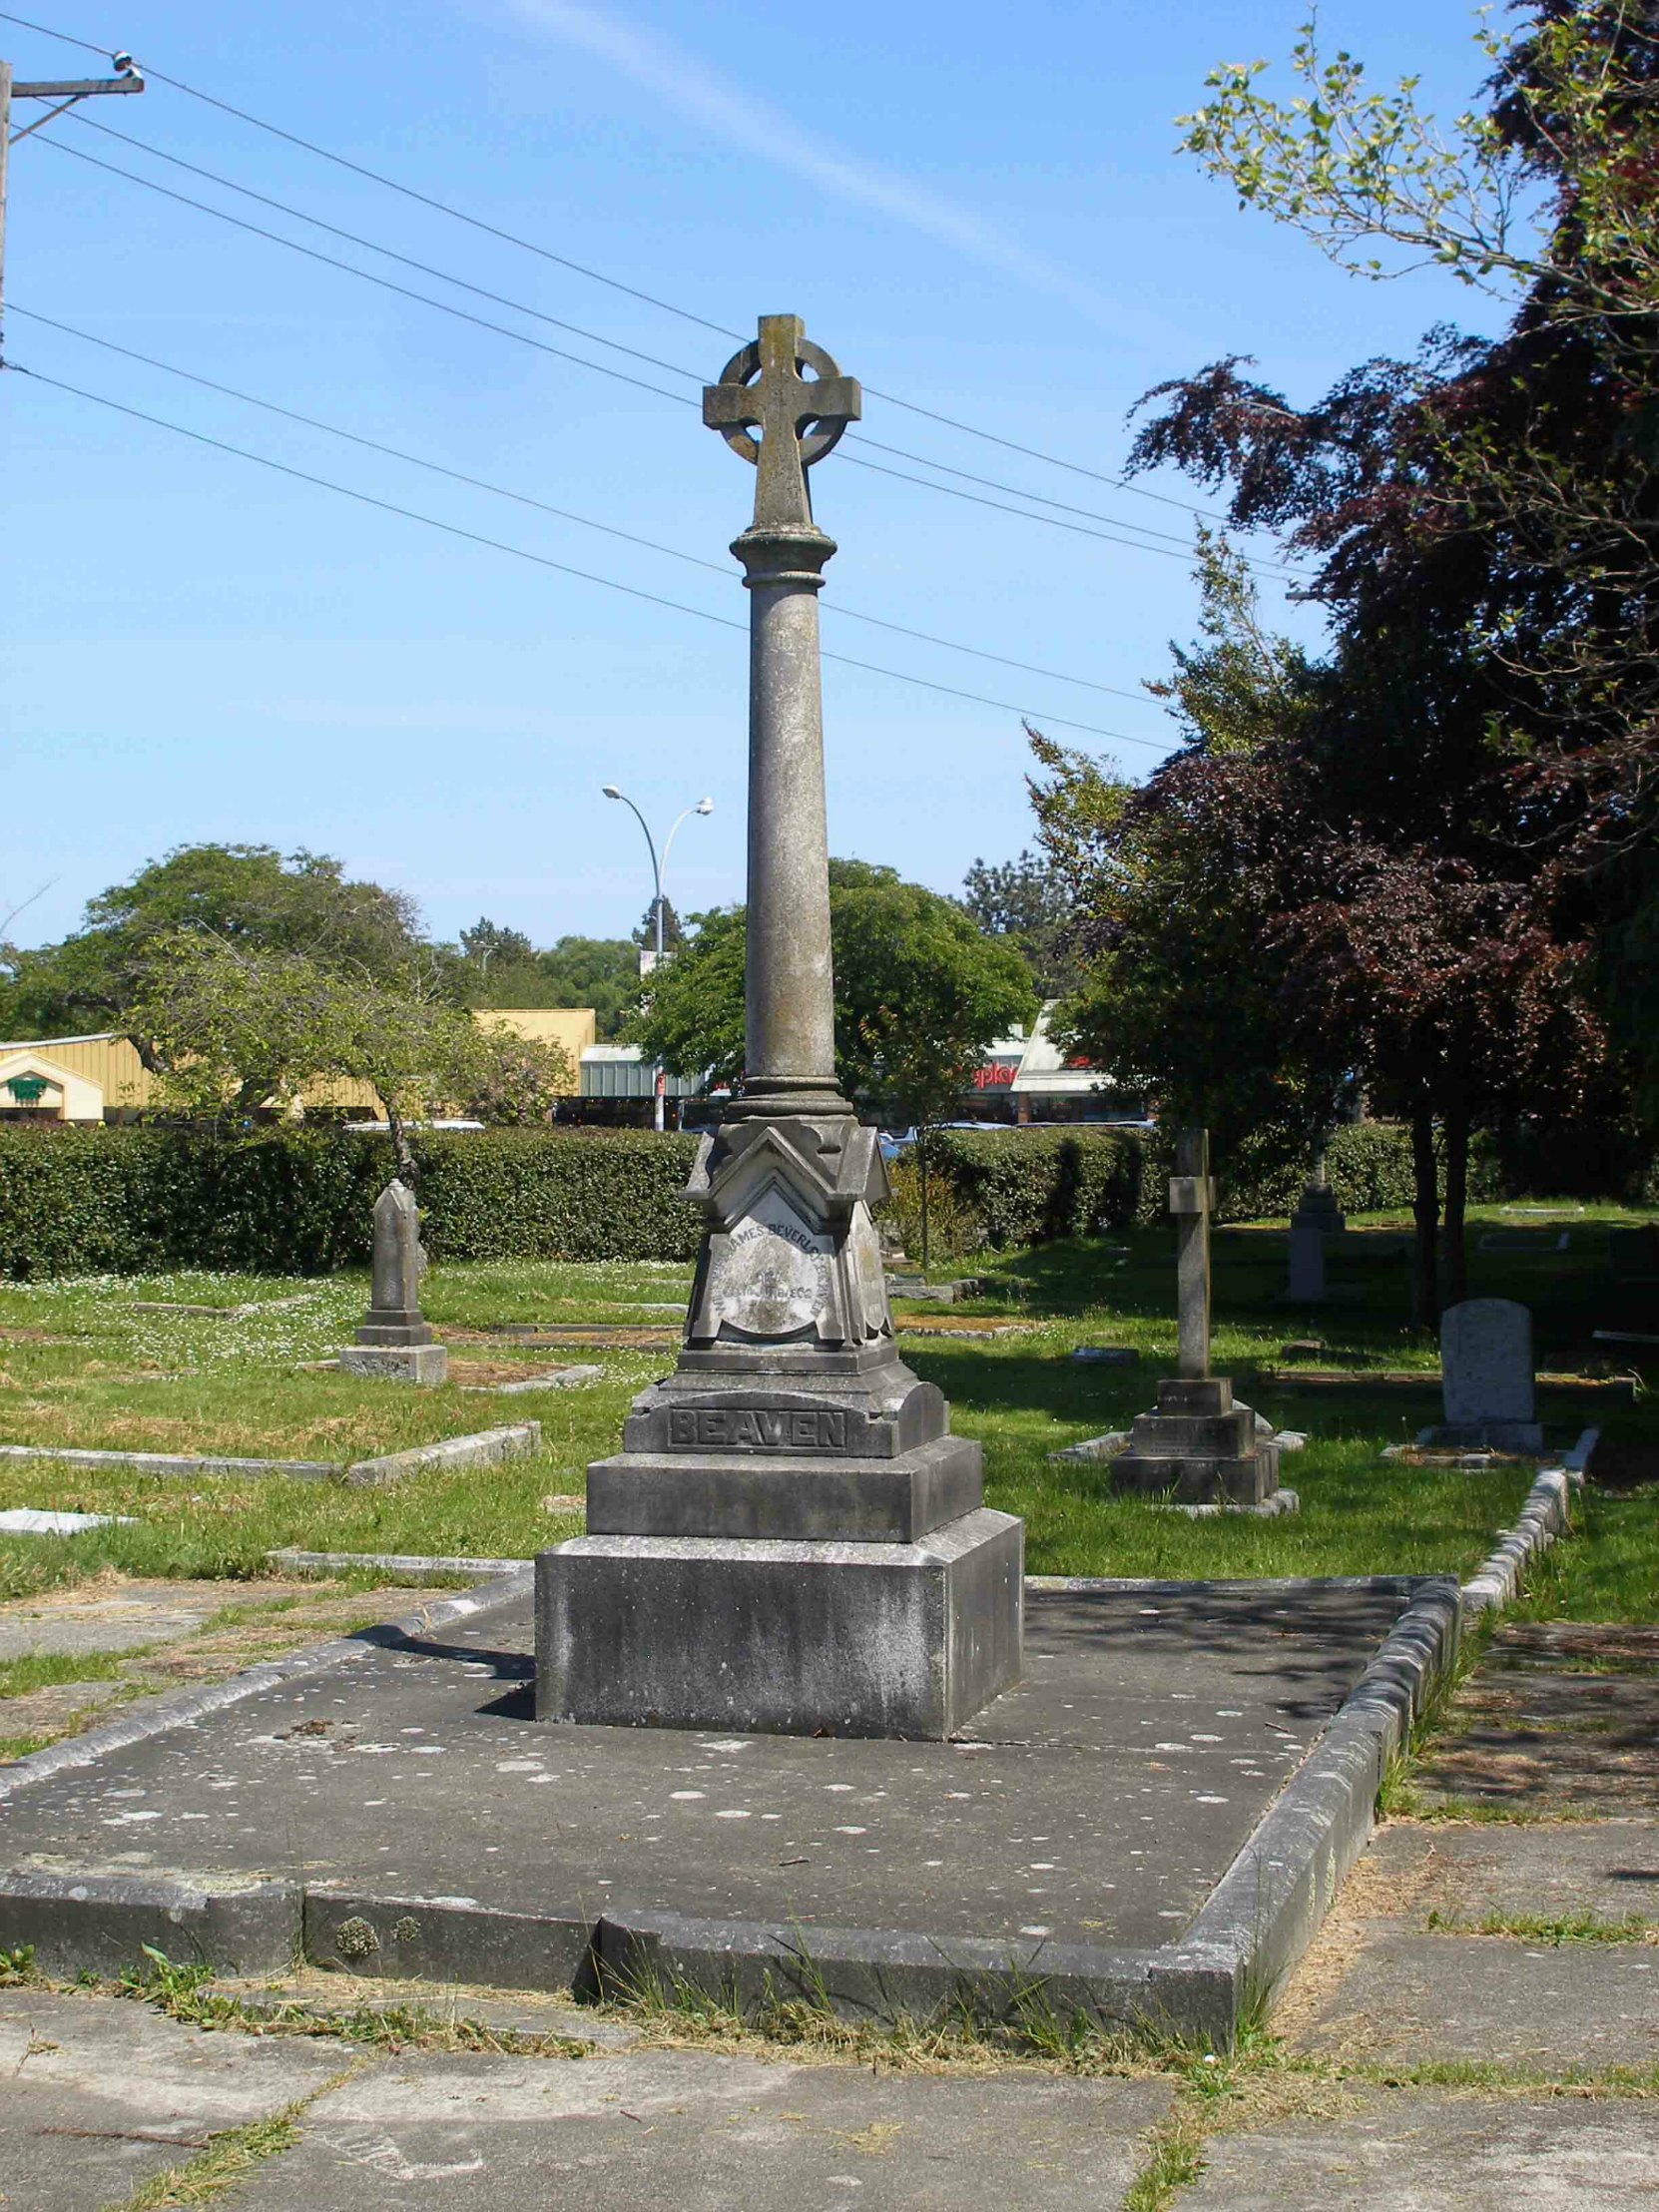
point(771, 1278)
point(755, 1428)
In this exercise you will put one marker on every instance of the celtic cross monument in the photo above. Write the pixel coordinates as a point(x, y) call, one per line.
point(790, 1539)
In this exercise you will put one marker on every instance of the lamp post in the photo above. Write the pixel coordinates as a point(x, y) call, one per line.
point(658, 869)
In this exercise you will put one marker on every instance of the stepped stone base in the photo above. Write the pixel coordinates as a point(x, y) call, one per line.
point(905, 1640)
point(427, 1364)
point(1199, 1448)
point(1524, 1437)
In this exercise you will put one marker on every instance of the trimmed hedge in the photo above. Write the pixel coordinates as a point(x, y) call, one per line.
point(1031, 1186)
point(297, 1201)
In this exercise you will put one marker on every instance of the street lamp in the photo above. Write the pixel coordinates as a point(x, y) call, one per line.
point(658, 869)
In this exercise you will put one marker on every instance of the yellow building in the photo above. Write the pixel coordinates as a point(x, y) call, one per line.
point(573, 1028)
point(101, 1077)
point(106, 1079)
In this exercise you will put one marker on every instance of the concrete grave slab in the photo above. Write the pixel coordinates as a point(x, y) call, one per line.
point(100, 2094)
point(1082, 1826)
point(1428, 2151)
point(26, 1520)
point(68, 1623)
point(704, 2132)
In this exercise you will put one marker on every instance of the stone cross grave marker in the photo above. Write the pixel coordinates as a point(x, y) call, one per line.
point(1192, 1198)
point(394, 1342)
point(790, 1539)
point(1487, 1375)
point(1199, 1448)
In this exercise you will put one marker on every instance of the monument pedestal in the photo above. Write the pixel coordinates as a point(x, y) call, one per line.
point(1200, 1448)
point(417, 1362)
point(801, 1638)
point(790, 1540)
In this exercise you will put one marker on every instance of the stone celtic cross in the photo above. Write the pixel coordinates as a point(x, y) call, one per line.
point(762, 388)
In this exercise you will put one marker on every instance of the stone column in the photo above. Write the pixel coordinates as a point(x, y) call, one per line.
point(790, 1001)
point(1190, 1200)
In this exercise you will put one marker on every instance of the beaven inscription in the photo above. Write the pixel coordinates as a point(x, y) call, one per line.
point(755, 1428)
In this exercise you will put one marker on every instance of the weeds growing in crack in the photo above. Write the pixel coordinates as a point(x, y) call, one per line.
point(230, 2156)
point(184, 1992)
point(1537, 1927)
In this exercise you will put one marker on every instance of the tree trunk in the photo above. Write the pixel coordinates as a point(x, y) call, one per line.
point(922, 1166)
point(1457, 1203)
point(1425, 1208)
point(408, 1173)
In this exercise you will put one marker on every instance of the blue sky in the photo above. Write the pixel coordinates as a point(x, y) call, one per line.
point(975, 207)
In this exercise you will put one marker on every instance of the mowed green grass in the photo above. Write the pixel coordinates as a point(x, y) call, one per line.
point(100, 1373)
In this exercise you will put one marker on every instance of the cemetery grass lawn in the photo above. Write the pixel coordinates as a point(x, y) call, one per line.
point(78, 1367)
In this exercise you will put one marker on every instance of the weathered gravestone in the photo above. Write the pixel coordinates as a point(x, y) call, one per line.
point(1306, 1284)
point(1317, 1202)
point(791, 1539)
point(1487, 1376)
point(394, 1342)
point(1200, 1446)
point(1317, 1217)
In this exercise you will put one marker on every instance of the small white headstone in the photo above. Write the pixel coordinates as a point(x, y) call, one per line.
point(1486, 1364)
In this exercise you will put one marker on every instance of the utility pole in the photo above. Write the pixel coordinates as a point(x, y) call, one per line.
point(66, 92)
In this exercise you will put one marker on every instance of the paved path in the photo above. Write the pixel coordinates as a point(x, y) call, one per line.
point(1526, 1931)
point(102, 2095)
point(1464, 2035)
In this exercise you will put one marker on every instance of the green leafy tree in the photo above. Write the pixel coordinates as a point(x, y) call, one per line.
point(1025, 902)
point(1178, 996)
point(238, 895)
point(920, 990)
point(673, 930)
point(601, 973)
point(487, 943)
point(243, 1028)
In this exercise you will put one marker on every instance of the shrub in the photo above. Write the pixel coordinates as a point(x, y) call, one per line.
point(954, 1229)
point(1031, 1186)
point(297, 1201)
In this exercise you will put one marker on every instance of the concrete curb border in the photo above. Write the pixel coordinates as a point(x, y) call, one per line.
point(408, 1566)
point(1244, 1938)
point(1546, 1514)
point(483, 1449)
point(179, 1465)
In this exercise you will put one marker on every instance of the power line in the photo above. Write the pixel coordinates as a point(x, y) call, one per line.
point(543, 560)
point(372, 246)
point(364, 275)
point(543, 506)
point(673, 368)
point(594, 275)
